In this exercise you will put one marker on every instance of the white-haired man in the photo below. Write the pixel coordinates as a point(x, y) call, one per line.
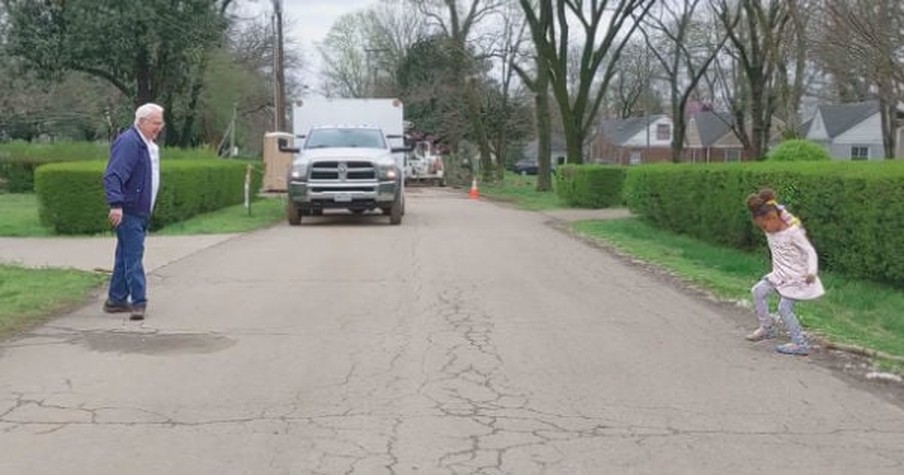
point(131, 182)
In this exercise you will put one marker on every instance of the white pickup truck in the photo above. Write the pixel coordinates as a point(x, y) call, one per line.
point(346, 159)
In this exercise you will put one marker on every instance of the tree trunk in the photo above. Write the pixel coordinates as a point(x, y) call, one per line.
point(574, 137)
point(144, 78)
point(483, 143)
point(888, 114)
point(679, 130)
point(677, 120)
point(757, 125)
point(544, 173)
point(192, 111)
point(171, 135)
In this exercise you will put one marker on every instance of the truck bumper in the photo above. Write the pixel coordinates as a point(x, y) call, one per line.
point(323, 195)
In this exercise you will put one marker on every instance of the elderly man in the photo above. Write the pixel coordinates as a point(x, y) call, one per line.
point(131, 182)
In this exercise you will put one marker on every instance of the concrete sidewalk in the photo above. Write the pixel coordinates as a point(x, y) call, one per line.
point(94, 253)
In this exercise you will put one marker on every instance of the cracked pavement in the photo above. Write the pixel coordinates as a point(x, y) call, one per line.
point(473, 339)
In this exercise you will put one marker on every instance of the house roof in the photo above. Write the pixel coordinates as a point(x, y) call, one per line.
point(838, 118)
point(556, 144)
point(805, 127)
point(712, 126)
point(619, 131)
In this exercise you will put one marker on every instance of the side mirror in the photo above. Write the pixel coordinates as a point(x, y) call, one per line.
point(284, 146)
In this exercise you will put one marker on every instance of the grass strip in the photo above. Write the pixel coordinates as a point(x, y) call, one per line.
point(29, 296)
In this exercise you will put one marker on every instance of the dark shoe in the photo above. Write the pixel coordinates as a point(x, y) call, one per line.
point(137, 313)
point(117, 307)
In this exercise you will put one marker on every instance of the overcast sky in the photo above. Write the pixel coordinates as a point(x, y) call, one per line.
point(309, 22)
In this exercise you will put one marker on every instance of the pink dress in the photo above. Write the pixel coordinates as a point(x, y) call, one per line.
point(793, 258)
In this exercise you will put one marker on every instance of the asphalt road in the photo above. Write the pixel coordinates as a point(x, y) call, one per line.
point(473, 338)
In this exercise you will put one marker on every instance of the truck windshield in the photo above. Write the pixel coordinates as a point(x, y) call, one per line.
point(336, 138)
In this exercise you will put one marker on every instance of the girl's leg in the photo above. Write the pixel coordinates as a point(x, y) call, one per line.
point(760, 293)
point(786, 310)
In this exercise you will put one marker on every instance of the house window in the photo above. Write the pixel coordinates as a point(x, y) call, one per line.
point(663, 132)
point(859, 153)
point(732, 155)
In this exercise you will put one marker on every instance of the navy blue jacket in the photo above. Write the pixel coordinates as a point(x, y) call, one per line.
point(127, 181)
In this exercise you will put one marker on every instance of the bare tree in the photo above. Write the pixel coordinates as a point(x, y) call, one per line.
point(755, 29)
point(346, 69)
point(794, 73)
point(871, 33)
point(600, 48)
point(506, 51)
point(364, 49)
point(726, 89)
point(458, 23)
point(685, 49)
point(392, 27)
point(540, 23)
point(630, 90)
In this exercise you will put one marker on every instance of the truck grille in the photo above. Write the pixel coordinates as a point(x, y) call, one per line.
point(343, 171)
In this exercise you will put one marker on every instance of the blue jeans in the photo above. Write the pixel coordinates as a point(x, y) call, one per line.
point(128, 282)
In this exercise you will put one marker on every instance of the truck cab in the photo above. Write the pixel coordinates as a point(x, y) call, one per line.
point(347, 167)
point(350, 156)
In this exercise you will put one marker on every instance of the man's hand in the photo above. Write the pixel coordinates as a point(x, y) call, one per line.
point(115, 216)
point(810, 278)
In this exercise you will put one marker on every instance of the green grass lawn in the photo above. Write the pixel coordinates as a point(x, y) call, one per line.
point(233, 219)
point(28, 296)
point(852, 312)
point(20, 216)
point(522, 191)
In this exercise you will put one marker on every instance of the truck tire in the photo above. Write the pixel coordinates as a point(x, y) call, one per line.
point(396, 211)
point(293, 215)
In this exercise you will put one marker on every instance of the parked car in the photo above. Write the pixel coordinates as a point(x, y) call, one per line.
point(526, 166)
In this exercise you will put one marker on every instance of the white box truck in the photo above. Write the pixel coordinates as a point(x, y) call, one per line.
point(350, 155)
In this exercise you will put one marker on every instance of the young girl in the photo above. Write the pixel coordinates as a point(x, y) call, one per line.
point(793, 276)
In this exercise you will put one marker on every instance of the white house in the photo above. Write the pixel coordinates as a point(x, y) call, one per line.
point(851, 131)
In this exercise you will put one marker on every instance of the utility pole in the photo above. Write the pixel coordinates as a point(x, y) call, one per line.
point(235, 106)
point(279, 75)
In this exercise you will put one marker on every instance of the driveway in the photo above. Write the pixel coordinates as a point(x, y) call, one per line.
point(473, 338)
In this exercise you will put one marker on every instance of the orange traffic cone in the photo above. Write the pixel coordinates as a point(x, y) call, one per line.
point(474, 194)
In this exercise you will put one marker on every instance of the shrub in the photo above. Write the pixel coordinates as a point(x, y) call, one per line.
point(20, 159)
point(798, 150)
point(71, 196)
point(590, 186)
point(853, 211)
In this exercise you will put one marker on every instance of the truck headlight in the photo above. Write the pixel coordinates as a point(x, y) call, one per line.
point(388, 172)
point(299, 171)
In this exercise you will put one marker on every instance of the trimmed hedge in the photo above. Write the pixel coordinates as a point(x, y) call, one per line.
point(798, 150)
point(71, 196)
point(19, 159)
point(590, 186)
point(853, 211)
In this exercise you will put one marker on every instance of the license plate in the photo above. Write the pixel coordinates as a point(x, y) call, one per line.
point(343, 198)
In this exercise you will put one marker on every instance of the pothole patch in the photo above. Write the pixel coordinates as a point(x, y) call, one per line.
point(156, 343)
